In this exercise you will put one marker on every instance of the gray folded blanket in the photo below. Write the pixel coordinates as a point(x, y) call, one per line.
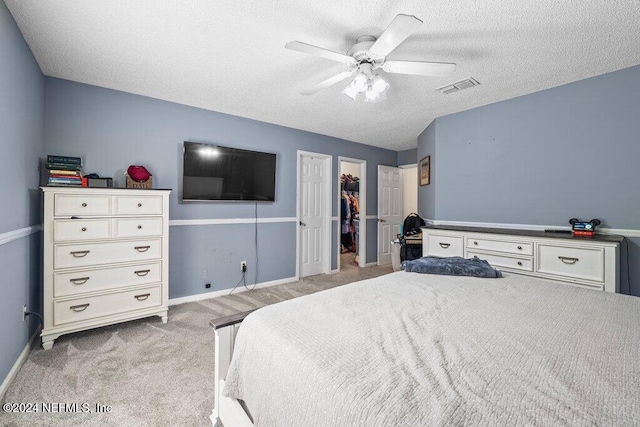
point(452, 266)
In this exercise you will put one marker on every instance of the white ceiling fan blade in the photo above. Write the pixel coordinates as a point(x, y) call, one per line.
point(417, 68)
point(400, 28)
point(318, 51)
point(329, 82)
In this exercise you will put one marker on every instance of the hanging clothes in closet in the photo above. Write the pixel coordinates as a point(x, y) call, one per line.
point(349, 212)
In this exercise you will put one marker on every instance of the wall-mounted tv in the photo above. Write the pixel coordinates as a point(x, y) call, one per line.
point(211, 172)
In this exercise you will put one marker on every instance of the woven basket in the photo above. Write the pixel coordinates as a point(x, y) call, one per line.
point(148, 184)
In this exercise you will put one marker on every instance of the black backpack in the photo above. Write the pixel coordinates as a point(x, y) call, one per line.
point(412, 224)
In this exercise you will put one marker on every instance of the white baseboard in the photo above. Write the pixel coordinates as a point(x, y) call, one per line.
point(215, 294)
point(619, 231)
point(16, 366)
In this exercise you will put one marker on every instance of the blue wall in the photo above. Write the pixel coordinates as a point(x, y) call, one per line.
point(112, 130)
point(570, 151)
point(408, 157)
point(21, 139)
point(427, 193)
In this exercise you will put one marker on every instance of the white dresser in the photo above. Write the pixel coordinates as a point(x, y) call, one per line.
point(589, 261)
point(105, 257)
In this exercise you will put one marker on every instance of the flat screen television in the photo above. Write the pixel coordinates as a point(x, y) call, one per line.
point(211, 172)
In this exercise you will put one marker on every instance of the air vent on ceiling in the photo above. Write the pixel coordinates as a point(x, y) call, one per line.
point(462, 84)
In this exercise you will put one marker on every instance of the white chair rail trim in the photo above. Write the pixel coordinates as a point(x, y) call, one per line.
point(224, 221)
point(337, 218)
point(10, 236)
point(619, 231)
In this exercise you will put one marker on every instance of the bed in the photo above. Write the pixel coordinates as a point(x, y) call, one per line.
point(417, 349)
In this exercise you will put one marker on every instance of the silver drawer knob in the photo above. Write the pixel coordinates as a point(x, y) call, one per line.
point(520, 263)
point(84, 228)
point(475, 243)
point(139, 227)
point(139, 205)
point(520, 248)
point(84, 205)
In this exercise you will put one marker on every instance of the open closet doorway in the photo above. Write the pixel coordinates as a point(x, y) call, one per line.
point(409, 178)
point(352, 213)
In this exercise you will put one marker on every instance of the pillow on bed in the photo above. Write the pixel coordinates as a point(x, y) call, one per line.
point(452, 266)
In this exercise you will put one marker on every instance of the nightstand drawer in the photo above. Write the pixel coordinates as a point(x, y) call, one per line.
point(444, 246)
point(65, 230)
point(102, 279)
point(524, 264)
point(522, 248)
point(87, 254)
point(579, 263)
point(138, 205)
point(138, 227)
point(81, 205)
point(105, 305)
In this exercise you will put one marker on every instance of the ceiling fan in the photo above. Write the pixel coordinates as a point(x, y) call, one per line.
point(369, 54)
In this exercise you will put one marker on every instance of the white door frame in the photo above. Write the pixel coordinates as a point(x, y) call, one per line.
point(362, 203)
point(326, 217)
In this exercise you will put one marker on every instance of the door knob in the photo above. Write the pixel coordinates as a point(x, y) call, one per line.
point(382, 220)
point(303, 224)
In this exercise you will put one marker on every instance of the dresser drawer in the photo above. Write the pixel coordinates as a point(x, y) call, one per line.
point(138, 227)
point(445, 246)
point(86, 254)
point(81, 205)
point(105, 305)
point(81, 229)
point(579, 263)
point(524, 264)
point(138, 205)
point(102, 279)
point(522, 248)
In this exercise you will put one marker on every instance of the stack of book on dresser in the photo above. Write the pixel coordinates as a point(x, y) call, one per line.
point(64, 170)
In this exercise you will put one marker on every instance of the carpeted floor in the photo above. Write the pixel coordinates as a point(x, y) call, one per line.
point(348, 261)
point(151, 374)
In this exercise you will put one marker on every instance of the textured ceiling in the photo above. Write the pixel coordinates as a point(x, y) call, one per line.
point(229, 56)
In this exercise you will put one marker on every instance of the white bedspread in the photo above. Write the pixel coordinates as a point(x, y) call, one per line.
point(411, 349)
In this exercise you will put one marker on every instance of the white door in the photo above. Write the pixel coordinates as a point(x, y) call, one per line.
point(312, 200)
point(389, 210)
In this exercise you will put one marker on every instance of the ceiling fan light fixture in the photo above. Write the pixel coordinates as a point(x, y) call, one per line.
point(350, 91)
point(378, 85)
point(370, 53)
point(371, 95)
point(360, 83)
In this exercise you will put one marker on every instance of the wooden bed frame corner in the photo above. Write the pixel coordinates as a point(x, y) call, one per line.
point(227, 410)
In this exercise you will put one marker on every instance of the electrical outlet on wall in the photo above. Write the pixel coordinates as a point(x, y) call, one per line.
point(208, 285)
point(243, 266)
